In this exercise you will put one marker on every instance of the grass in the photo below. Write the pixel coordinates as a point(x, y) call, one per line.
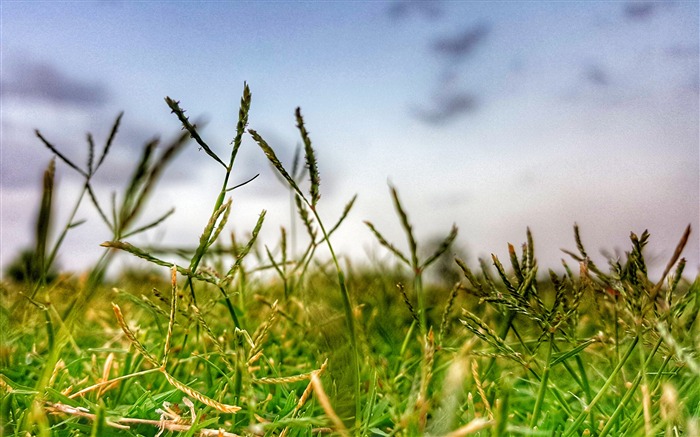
point(242, 338)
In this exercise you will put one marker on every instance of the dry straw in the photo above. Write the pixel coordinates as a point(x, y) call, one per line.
point(224, 408)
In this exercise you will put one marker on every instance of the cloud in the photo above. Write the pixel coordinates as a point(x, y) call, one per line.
point(43, 81)
point(595, 75)
point(24, 156)
point(639, 10)
point(430, 9)
point(21, 165)
point(463, 44)
point(682, 51)
point(39, 95)
point(448, 107)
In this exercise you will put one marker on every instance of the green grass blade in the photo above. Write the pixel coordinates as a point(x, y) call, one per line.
point(534, 419)
point(573, 428)
point(99, 425)
point(561, 357)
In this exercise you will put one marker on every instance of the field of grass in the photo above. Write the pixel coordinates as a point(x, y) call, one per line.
point(240, 337)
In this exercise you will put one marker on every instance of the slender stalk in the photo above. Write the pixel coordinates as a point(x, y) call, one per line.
point(240, 129)
point(350, 319)
point(582, 416)
point(641, 375)
point(418, 286)
point(543, 385)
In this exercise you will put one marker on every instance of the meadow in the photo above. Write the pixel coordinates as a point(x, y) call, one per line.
point(239, 337)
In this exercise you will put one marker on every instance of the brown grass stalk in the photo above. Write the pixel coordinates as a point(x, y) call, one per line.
point(124, 422)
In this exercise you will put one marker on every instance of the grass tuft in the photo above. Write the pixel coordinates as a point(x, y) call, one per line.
point(267, 338)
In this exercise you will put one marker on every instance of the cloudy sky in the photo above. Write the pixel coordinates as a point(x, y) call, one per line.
point(491, 115)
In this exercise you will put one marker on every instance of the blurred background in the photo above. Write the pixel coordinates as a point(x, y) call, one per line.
point(491, 115)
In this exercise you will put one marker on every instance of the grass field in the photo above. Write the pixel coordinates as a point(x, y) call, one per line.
point(244, 337)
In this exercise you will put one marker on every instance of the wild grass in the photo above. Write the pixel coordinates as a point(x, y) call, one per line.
point(250, 339)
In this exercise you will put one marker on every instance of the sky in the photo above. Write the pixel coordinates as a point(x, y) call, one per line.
point(494, 116)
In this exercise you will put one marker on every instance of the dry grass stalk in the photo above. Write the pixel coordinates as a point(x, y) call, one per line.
point(427, 368)
point(480, 389)
point(132, 338)
point(224, 408)
point(124, 422)
point(107, 368)
point(171, 318)
point(326, 405)
point(260, 335)
point(60, 365)
point(307, 392)
point(110, 383)
point(305, 396)
point(669, 406)
point(285, 379)
point(646, 404)
point(676, 254)
point(475, 425)
point(217, 344)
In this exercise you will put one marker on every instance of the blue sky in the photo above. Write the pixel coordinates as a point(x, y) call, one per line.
point(491, 115)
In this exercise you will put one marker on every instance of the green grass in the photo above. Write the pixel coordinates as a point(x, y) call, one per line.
point(263, 338)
